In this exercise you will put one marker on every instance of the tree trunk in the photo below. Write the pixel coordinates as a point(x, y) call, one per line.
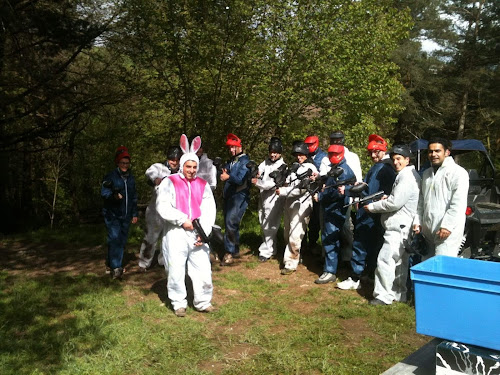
point(463, 114)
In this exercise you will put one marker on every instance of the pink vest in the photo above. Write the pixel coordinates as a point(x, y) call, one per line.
point(188, 195)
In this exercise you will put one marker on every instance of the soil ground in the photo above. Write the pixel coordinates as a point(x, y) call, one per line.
point(30, 259)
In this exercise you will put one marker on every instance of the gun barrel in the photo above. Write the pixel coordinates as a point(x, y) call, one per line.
point(377, 195)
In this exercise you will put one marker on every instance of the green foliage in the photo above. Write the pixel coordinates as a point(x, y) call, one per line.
point(453, 90)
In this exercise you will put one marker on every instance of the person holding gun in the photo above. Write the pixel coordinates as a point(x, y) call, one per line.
point(333, 209)
point(318, 157)
point(397, 213)
point(368, 231)
point(184, 198)
point(297, 210)
point(120, 209)
point(270, 205)
point(154, 223)
point(236, 197)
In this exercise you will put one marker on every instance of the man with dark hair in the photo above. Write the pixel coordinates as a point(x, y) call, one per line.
point(236, 197)
point(154, 223)
point(184, 199)
point(443, 201)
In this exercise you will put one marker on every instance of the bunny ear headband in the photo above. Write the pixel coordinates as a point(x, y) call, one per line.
point(189, 152)
point(195, 145)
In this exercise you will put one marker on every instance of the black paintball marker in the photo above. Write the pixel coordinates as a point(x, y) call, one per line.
point(416, 244)
point(304, 180)
point(372, 197)
point(315, 186)
point(349, 181)
point(199, 230)
point(253, 168)
point(216, 234)
point(219, 165)
point(279, 176)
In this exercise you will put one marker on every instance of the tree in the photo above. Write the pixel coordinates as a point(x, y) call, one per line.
point(262, 68)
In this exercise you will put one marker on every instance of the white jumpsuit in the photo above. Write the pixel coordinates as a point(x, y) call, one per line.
point(179, 250)
point(270, 207)
point(154, 222)
point(398, 212)
point(297, 215)
point(207, 171)
point(442, 204)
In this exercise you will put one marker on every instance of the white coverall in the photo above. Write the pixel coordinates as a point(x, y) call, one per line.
point(154, 222)
point(296, 216)
point(398, 212)
point(207, 171)
point(270, 207)
point(179, 250)
point(442, 204)
point(352, 160)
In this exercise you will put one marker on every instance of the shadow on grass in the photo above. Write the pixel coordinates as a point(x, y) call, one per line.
point(41, 252)
point(42, 324)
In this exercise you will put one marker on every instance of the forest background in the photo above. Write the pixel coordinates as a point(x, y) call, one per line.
point(79, 78)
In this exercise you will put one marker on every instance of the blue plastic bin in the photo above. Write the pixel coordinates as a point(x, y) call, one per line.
point(459, 300)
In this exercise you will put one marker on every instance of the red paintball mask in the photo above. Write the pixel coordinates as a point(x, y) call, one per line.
point(312, 143)
point(336, 153)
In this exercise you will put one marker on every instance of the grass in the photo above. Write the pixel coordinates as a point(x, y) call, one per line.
point(67, 323)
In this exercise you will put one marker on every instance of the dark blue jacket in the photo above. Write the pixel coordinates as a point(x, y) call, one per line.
point(330, 199)
point(317, 157)
point(238, 176)
point(125, 208)
point(381, 176)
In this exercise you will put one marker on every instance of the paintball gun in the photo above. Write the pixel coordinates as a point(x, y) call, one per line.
point(219, 164)
point(314, 186)
point(304, 180)
point(279, 176)
point(215, 235)
point(362, 201)
point(415, 244)
point(253, 168)
point(199, 230)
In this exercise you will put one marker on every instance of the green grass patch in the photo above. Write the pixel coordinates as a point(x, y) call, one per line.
point(70, 323)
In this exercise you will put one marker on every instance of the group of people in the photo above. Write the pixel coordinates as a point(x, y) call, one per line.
point(314, 195)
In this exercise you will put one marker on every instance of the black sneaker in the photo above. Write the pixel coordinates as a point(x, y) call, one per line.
point(263, 259)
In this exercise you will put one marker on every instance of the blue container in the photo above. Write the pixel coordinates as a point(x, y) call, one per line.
point(459, 300)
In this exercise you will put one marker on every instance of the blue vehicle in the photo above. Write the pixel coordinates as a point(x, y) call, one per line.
point(482, 229)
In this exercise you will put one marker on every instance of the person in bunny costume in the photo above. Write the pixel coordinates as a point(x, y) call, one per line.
point(182, 199)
